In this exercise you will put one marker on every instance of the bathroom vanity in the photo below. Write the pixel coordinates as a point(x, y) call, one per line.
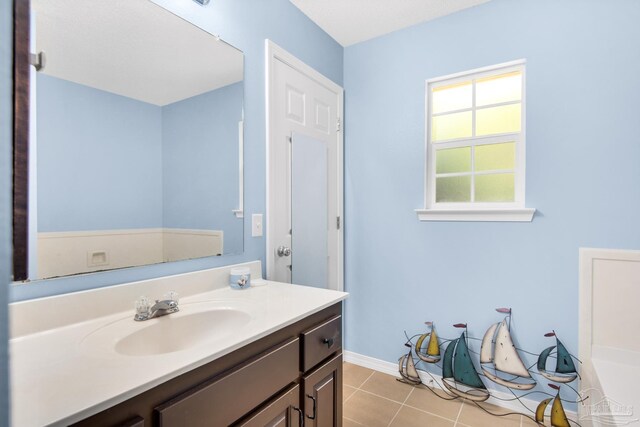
point(265, 356)
point(294, 371)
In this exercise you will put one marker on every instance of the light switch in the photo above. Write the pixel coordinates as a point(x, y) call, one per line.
point(256, 225)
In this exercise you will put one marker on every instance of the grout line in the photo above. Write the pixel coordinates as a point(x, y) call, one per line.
point(430, 413)
point(381, 397)
point(348, 398)
point(458, 417)
point(353, 421)
point(368, 378)
point(401, 405)
point(357, 388)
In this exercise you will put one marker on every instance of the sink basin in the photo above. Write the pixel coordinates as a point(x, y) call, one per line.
point(169, 334)
point(188, 328)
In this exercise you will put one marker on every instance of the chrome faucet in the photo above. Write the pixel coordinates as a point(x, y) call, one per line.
point(146, 311)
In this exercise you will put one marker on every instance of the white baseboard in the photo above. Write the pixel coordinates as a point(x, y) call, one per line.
point(435, 381)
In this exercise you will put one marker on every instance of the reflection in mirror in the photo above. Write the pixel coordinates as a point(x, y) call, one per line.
point(135, 141)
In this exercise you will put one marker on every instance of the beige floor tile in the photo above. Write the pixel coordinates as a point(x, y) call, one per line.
point(347, 391)
point(409, 417)
point(387, 386)
point(354, 375)
point(346, 422)
point(424, 399)
point(473, 416)
point(370, 410)
point(528, 422)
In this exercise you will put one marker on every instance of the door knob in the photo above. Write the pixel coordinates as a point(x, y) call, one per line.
point(283, 251)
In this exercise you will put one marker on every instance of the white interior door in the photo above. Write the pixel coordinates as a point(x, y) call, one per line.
point(304, 187)
point(309, 214)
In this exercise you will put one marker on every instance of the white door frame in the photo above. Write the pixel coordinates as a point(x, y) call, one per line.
point(273, 53)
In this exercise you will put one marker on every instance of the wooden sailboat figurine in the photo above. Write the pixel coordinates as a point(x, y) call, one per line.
point(432, 353)
point(407, 369)
point(499, 353)
point(558, 415)
point(459, 376)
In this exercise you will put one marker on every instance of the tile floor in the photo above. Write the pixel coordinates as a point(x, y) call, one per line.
point(374, 399)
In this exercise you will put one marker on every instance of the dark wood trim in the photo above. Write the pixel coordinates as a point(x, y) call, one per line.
point(20, 139)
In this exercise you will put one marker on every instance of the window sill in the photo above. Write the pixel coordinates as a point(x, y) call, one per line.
point(497, 215)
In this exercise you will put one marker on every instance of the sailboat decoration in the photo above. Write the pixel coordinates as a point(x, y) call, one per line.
point(558, 416)
point(498, 352)
point(565, 368)
point(432, 353)
point(407, 369)
point(459, 376)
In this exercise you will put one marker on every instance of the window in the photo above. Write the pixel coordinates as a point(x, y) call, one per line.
point(476, 146)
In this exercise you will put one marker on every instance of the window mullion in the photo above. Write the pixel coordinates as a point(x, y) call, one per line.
point(473, 145)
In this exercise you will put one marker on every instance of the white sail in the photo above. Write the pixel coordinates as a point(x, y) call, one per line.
point(505, 355)
point(411, 368)
point(486, 351)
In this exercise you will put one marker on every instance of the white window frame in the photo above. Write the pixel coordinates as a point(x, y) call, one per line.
point(476, 211)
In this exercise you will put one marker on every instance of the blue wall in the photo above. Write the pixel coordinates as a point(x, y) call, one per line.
point(246, 25)
point(6, 104)
point(103, 147)
point(583, 64)
point(137, 165)
point(200, 156)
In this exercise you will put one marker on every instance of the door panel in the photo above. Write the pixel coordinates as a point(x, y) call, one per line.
point(279, 412)
point(304, 116)
point(324, 388)
point(309, 224)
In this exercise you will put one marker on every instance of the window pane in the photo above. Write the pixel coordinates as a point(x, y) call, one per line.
point(451, 126)
point(495, 156)
point(453, 189)
point(495, 188)
point(450, 98)
point(498, 120)
point(497, 89)
point(453, 160)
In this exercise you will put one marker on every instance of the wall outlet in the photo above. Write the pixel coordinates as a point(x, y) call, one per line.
point(256, 225)
point(97, 258)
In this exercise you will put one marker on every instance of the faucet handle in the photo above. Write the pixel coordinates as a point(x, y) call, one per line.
point(143, 305)
point(172, 296)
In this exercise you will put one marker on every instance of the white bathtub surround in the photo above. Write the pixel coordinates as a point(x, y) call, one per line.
point(73, 252)
point(609, 345)
point(64, 367)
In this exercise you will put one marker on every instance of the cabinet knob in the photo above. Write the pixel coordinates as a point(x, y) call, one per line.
point(329, 342)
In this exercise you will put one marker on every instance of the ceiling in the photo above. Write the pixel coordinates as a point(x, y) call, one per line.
point(353, 21)
point(133, 48)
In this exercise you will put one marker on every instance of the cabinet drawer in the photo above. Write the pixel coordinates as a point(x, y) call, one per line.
point(321, 341)
point(225, 399)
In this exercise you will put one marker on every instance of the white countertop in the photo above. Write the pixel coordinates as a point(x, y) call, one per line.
point(58, 376)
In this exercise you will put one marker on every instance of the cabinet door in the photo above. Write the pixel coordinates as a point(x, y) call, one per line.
point(225, 399)
point(283, 411)
point(323, 395)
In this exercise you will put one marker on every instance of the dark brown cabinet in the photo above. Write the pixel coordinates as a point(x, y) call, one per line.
point(323, 394)
point(283, 411)
point(290, 378)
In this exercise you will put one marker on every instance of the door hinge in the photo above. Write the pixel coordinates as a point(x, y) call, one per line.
point(339, 124)
point(338, 222)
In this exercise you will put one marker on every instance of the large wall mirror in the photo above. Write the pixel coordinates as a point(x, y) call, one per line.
point(135, 139)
